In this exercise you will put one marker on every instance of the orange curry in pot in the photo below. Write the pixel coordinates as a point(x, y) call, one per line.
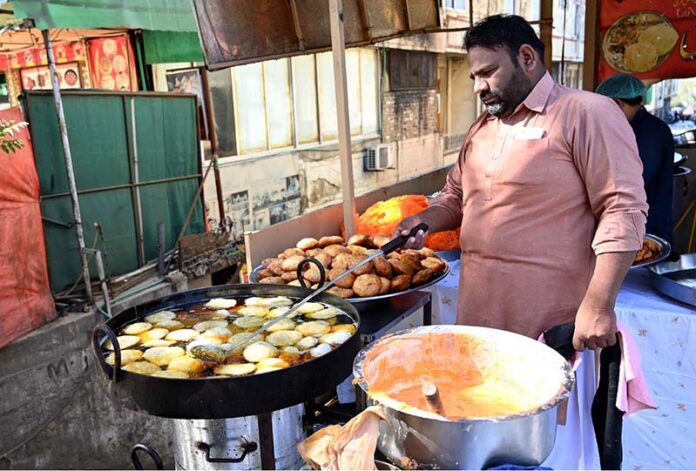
point(471, 382)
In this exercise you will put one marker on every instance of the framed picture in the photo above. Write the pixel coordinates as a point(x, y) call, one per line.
point(189, 81)
point(39, 78)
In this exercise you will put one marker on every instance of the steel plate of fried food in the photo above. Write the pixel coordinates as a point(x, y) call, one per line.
point(655, 249)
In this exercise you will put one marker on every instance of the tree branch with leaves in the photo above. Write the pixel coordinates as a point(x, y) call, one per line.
point(9, 143)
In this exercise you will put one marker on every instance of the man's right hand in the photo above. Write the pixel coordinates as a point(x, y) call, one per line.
point(405, 227)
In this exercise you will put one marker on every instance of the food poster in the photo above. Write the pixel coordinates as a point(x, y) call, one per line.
point(36, 56)
point(112, 64)
point(651, 39)
point(39, 78)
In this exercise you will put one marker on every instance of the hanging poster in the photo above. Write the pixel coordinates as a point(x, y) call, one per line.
point(39, 78)
point(63, 53)
point(111, 63)
point(189, 81)
point(651, 39)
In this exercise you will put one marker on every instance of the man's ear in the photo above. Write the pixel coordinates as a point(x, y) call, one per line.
point(528, 58)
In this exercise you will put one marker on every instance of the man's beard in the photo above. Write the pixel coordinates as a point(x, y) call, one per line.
point(510, 96)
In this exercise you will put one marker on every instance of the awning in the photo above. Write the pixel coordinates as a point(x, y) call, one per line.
point(242, 31)
point(156, 15)
point(169, 26)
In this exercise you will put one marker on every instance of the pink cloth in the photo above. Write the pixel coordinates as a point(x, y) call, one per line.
point(633, 394)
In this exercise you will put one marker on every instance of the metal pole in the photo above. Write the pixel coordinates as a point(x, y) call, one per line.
point(212, 135)
point(68, 165)
point(589, 65)
point(338, 47)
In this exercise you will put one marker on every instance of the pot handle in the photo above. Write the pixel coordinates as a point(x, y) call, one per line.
point(150, 451)
point(313, 261)
point(96, 347)
point(246, 446)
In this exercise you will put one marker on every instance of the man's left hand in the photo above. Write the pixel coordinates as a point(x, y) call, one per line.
point(595, 327)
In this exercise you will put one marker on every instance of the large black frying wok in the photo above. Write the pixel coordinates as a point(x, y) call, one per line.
point(217, 398)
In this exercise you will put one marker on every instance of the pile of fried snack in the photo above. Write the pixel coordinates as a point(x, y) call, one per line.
point(397, 271)
point(650, 250)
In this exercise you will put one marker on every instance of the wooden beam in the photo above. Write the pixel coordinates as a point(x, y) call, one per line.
point(591, 57)
point(338, 46)
point(546, 31)
point(365, 17)
point(408, 16)
point(298, 27)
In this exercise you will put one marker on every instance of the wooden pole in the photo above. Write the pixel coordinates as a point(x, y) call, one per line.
point(338, 48)
point(589, 66)
point(546, 31)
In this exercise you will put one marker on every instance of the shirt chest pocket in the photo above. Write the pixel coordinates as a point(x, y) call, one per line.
point(525, 162)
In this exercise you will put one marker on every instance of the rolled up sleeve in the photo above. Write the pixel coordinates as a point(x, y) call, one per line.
point(607, 157)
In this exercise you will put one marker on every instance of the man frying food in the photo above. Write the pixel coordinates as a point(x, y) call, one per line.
point(549, 196)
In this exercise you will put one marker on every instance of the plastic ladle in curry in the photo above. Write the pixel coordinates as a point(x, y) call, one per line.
point(389, 247)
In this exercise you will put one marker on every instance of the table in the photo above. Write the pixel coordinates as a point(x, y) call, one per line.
point(665, 331)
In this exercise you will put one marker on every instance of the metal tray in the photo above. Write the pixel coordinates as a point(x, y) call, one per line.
point(676, 279)
point(666, 249)
point(254, 278)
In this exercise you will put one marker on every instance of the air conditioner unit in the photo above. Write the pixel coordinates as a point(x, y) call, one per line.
point(379, 157)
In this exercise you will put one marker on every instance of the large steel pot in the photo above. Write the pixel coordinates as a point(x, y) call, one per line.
point(415, 438)
point(219, 398)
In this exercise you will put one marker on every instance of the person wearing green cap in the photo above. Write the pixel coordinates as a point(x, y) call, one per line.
point(655, 146)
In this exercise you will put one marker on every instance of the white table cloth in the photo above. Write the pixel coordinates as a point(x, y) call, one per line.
point(665, 331)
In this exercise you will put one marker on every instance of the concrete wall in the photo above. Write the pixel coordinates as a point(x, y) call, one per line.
point(53, 413)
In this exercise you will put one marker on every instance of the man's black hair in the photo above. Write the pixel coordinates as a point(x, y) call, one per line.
point(633, 101)
point(508, 31)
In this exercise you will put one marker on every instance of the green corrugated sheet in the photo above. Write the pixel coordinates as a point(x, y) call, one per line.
point(156, 15)
point(170, 46)
point(99, 127)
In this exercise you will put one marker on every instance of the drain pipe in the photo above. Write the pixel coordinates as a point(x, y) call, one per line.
point(68, 165)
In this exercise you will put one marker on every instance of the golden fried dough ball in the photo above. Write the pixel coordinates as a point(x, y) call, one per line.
point(414, 253)
point(291, 263)
point(336, 249)
point(346, 282)
point(276, 267)
point(427, 252)
point(341, 292)
point(312, 275)
point(367, 268)
point(400, 267)
point(358, 249)
point(400, 282)
point(367, 285)
point(307, 243)
point(330, 240)
point(380, 240)
point(295, 283)
point(265, 273)
point(359, 239)
point(293, 251)
point(272, 280)
point(266, 262)
point(324, 258)
point(386, 285)
point(412, 261)
point(289, 276)
point(434, 263)
point(342, 261)
point(422, 276)
point(382, 266)
point(314, 252)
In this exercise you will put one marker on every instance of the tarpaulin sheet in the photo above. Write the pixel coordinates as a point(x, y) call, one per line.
point(110, 136)
point(25, 296)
